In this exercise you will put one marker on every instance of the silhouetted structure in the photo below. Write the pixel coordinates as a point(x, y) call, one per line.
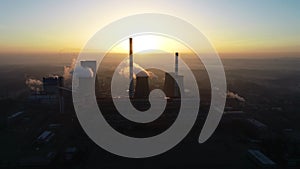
point(131, 84)
point(260, 159)
point(173, 82)
point(176, 63)
point(65, 100)
point(51, 84)
point(142, 86)
point(171, 87)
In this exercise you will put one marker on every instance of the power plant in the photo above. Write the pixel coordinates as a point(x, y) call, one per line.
point(173, 81)
point(56, 139)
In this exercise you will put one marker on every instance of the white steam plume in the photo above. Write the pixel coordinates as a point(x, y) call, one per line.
point(235, 96)
point(68, 71)
point(34, 84)
point(83, 72)
point(124, 70)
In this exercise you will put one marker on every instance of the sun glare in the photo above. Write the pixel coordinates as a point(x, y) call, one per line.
point(149, 42)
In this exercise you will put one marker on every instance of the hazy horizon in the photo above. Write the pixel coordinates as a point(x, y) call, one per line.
point(61, 59)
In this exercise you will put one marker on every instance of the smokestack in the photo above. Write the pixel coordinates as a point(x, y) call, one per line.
point(131, 85)
point(176, 63)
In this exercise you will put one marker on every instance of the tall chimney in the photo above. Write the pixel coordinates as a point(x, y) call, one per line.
point(176, 63)
point(131, 85)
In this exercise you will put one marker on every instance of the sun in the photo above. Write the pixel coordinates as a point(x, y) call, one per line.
point(149, 42)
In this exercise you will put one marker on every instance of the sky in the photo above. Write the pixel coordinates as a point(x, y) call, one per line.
point(232, 26)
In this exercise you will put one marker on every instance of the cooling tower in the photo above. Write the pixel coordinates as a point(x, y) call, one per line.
point(142, 86)
point(171, 87)
point(89, 64)
point(86, 77)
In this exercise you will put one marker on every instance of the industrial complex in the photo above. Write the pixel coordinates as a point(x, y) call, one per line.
point(49, 135)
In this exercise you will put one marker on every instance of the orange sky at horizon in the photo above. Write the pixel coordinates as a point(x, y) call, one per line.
point(234, 28)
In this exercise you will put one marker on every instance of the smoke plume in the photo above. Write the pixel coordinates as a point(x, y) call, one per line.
point(68, 71)
point(235, 96)
point(124, 70)
point(83, 72)
point(34, 84)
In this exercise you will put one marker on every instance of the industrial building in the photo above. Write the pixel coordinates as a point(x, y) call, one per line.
point(45, 137)
point(51, 84)
point(15, 118)
point(65, 100)
point(49, 94)
point(261, 160)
